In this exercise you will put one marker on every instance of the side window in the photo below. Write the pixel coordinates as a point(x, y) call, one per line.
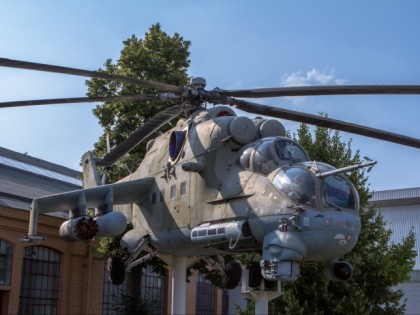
point(6, 258)
point(173, 192)
point(245, 158)
point(337, 192)
point(183, 189)
point(162, 195)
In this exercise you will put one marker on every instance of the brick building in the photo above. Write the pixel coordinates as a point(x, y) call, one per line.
point(57, 277)
point(52, 277)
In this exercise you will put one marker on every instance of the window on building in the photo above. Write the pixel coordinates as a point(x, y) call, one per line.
point(112, 295)
point(143, 291)
point(6, 258)
point(150, 286)
point(40, 279)
point(205, 296)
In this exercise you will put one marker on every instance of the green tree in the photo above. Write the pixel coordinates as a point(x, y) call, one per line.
point(158, 57)
point(378, 265)
point(132, 303)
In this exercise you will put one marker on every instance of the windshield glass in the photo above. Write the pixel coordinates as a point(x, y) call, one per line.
point(267, 155)
point(298, 184)
point(264, 160)
point(337, 192)
point(289, 151)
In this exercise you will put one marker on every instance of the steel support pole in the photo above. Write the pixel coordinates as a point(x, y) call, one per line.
point(261, 297)
point(261, 303)
point(179, 284)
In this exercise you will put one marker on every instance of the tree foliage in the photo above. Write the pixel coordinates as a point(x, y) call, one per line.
point(132, 303)
point(158, 57)
point(378, 265)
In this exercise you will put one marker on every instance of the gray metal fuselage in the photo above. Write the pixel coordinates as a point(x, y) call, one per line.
point(202, 184)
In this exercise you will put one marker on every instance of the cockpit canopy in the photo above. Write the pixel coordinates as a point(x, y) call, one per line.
point(267, 154)
point(301, 185)
point(298, 184)
point(297, 177)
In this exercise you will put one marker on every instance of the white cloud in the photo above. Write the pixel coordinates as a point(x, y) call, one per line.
point(311, 77)
point(238, 85)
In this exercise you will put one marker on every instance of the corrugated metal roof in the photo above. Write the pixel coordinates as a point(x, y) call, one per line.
point(27, 185)
point(15, 203)
point(401, 210)
point(8, 162)
point(396, 194)
point(396, 197)
point(401, 219)
point(38, 162)
point(19, 185)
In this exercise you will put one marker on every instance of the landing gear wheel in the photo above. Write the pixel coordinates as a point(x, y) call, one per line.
point(232, 275)
point(116, 270)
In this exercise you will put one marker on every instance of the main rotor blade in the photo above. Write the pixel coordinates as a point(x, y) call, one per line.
point(4, 62)
point(55, 101)
point(327, 122)
point(323, 90)
point(139, 135)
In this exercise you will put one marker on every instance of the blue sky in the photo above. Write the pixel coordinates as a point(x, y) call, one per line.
point(235, 44)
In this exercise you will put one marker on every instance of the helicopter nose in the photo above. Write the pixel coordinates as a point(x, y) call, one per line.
point(343, 232)
point(343, 239)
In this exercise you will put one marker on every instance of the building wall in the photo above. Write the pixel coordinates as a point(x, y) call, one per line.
point(401, 219)
point(191, 303)
point(411, 293)
point(191, 295)
point(401, 211)
point(81, 274)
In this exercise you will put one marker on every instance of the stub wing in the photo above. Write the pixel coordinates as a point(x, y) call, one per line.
point(102, 197)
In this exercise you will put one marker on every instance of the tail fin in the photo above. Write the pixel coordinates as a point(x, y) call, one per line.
point(91, 177)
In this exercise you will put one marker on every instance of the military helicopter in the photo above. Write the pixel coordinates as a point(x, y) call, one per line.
point(218, 183)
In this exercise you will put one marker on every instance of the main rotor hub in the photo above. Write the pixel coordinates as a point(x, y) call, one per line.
point(193, 95)
point(198, 83)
